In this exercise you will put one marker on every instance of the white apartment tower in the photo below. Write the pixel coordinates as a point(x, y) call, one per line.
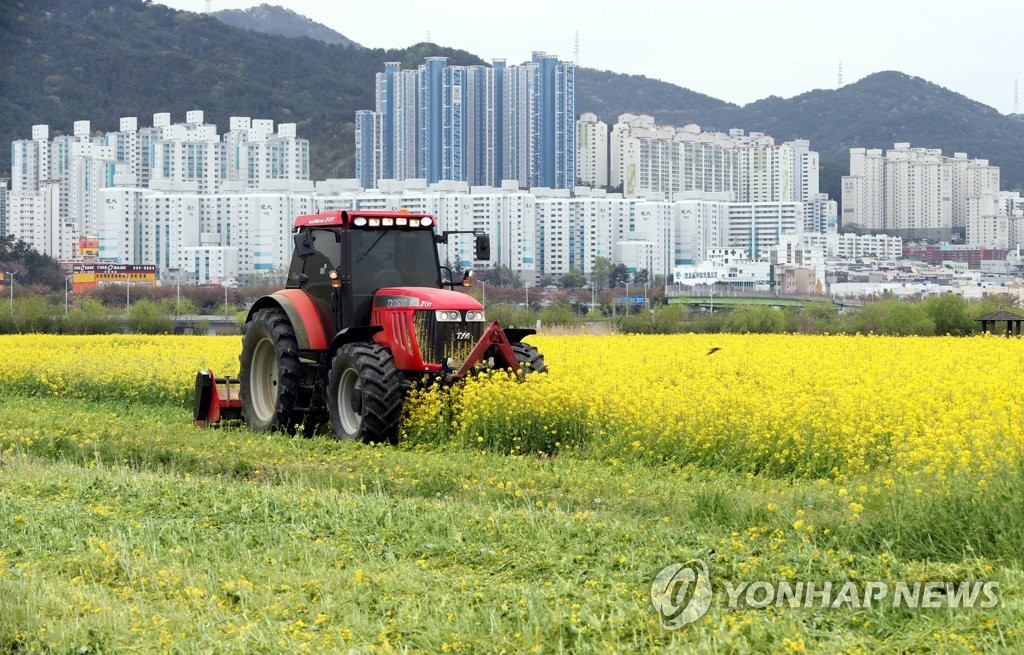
point(757, 227)
point(701, 221)
point(592, 150)
point(864, 191)
point(914, 192)
point(188, 157)
point(652, 161)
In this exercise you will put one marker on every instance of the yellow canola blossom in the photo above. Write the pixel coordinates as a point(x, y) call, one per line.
point(135, 368)
point(774, 404)
point(780, 405)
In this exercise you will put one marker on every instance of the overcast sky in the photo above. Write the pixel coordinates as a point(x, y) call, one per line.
point(735, 50)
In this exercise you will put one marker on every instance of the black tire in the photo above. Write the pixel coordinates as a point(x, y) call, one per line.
point(364, 393)
point(269, 372)
point(529, 358)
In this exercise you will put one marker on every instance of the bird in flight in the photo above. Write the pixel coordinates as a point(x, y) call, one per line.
point(714, 350)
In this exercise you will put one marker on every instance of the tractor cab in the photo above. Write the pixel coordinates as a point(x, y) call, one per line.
point(359, 256)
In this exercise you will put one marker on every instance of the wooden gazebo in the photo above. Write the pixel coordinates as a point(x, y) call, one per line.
point(1013, 321)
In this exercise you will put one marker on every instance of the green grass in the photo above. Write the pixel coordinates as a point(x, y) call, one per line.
point(126, 530)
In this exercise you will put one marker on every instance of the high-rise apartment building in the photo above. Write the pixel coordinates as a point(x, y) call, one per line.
point(648, 160)
point(756, 227)
point(913, 192)
point(3, 206)
point(56, 184)
point(474, 124)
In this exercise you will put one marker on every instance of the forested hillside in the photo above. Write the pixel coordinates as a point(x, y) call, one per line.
point(99, 60)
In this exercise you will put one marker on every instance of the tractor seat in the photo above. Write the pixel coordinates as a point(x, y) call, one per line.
point(387, 277)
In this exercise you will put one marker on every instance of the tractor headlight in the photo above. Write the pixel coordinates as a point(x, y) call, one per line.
point(474, 315)
point(448, 315)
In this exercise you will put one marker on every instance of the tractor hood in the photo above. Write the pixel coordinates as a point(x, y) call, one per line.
point(423, 298)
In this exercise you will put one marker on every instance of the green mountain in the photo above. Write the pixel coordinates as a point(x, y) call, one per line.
point(890, 107)
point(271, 19)
point(876, 112)
point(99, 60)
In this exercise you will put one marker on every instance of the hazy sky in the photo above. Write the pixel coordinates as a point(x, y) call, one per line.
point(735, 50)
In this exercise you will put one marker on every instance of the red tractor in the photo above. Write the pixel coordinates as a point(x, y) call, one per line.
point(365, 314)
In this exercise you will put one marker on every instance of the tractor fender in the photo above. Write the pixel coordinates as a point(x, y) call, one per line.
point(308, 321)
point(353, 334)
point(515, 335)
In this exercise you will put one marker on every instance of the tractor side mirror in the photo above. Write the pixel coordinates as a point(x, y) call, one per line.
point(304, 244)
point(483, 246)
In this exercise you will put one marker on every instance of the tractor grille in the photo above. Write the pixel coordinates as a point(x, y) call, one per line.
point(440, 340)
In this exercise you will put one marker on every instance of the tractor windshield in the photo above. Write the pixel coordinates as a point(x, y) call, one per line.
point(393, 258)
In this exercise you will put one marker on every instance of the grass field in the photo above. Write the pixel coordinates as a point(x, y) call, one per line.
point(515, 517)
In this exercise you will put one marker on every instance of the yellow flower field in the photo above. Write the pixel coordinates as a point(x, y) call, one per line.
point(777, 405)
point(135, 368)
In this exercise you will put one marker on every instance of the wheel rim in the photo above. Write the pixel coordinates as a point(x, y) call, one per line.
point(348, 400)
point(263, 382)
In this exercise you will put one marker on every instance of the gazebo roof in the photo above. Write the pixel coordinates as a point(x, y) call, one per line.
point(1000, 315)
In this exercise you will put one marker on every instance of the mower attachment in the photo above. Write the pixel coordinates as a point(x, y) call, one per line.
point(215, 399)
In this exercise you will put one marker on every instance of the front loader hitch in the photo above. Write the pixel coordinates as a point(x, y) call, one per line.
point(493, 337)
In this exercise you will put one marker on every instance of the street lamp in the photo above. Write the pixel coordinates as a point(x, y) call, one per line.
point(177, 289)
point(66, 278)
point(12, 274)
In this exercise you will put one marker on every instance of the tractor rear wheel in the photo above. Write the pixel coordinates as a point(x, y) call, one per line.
point(269, 372)
point(529, 358)
point(364, 394)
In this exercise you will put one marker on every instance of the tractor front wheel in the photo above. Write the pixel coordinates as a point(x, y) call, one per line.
point(269, 372)
point(364, 394)
point(529, 358)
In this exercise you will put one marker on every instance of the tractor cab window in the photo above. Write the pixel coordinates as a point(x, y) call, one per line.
point(316, 266)
point(393, 258)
